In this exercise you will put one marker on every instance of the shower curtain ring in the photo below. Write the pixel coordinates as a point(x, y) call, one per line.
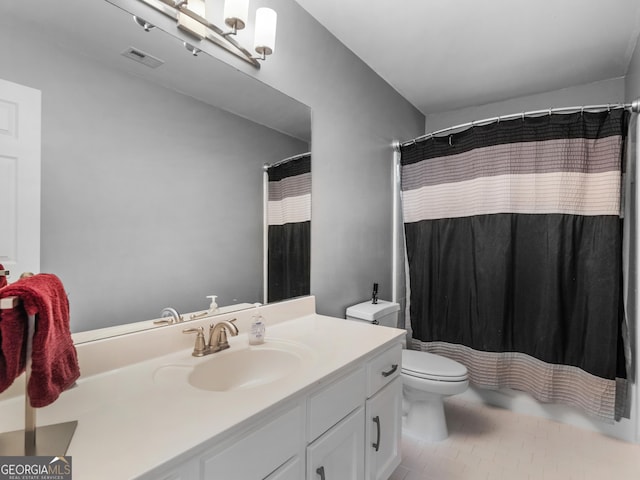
point(450, 141)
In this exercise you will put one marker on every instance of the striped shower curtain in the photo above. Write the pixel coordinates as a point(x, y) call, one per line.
point(513, 237)
point(289, 229)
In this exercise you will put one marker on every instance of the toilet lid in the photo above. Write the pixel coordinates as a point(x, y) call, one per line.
point(433, 367)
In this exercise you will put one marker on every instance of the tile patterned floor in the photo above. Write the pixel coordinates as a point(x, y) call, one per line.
point(487, 443)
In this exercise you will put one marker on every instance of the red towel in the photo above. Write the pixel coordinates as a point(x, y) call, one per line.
point(12, 344)
point(54, 362)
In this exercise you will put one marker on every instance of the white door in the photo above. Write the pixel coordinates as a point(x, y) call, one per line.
point(20, 118)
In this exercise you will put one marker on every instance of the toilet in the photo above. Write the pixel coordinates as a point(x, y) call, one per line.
point(426, 378)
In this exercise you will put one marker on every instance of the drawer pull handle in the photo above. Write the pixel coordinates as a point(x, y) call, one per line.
point(320, 471)
point(394, 367)
point(376, 445)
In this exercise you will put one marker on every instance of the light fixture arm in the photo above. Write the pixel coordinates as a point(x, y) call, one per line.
point(233, 31)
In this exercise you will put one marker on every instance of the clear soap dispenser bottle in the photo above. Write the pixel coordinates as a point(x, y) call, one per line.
point(257, 329)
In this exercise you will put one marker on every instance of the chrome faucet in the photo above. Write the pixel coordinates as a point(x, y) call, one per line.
point(217, 337)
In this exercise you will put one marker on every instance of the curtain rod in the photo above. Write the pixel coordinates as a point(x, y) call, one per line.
point(266, 166)
point(633, 106)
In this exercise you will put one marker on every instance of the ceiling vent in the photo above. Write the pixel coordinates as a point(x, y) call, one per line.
point(142, 57)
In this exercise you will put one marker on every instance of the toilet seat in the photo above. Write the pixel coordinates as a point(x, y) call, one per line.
point(428, 366)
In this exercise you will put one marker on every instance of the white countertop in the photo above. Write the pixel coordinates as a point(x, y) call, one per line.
point(135, 418)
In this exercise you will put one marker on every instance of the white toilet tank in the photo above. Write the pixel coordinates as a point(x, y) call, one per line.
point(382, 313)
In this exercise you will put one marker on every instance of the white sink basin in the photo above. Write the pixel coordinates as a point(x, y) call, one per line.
point(243, 369)
point(238, 368)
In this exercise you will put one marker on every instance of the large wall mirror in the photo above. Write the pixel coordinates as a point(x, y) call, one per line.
point(152, 178)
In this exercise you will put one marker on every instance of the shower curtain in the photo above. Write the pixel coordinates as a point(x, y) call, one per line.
point(289, 229)
point(514, 238)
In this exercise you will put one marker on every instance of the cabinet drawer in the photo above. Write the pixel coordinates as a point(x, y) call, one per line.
point(260, 452)
point(334, 402)
point(383, 368)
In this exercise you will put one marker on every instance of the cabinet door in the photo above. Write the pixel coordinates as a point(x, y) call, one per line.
point(258, 453)
point(383, 431)
point(292, 470)
point(339, 453)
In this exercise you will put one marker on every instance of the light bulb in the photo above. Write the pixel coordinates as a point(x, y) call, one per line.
point(264, 40)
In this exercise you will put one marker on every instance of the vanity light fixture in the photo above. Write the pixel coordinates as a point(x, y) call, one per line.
point(190, 16)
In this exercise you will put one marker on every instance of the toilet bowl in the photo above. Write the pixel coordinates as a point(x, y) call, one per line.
point(426, 378)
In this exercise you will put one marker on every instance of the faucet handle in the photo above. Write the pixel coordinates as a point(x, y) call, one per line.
point(200, 347)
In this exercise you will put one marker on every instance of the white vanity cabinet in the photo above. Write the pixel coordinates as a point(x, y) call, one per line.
point(347, 427)
point(272, 448)
point(383, 414)
point(364, 444)
point(383, 431)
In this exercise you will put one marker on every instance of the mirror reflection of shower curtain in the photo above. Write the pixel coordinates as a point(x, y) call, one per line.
point(289, 229)
point(514, 242)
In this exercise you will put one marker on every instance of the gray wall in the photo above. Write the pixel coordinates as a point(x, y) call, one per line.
point(604, 92)
point(149, 198)
point(355, 118)
point(632, 79)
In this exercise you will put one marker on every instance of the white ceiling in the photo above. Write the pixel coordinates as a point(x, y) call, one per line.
point(448, 54)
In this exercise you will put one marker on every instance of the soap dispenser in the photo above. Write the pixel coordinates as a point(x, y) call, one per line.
point(213, 307)
point(257, 329)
